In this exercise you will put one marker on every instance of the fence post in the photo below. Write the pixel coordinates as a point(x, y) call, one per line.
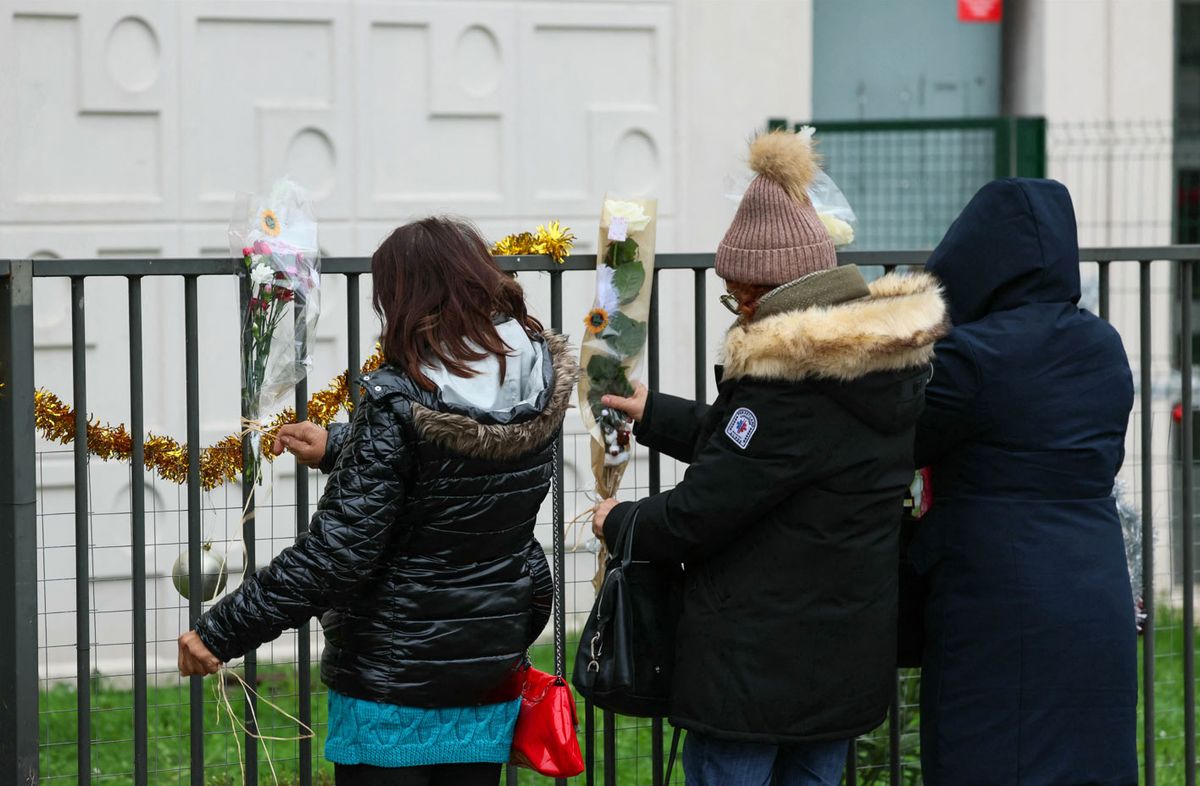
point(1031, 147)
point(18, 530)
point(1020, 147)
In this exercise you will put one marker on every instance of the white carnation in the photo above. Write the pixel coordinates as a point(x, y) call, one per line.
point(262, 274)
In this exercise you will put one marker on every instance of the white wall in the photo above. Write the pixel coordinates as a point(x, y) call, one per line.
point(1102, 73)
point(127, 126)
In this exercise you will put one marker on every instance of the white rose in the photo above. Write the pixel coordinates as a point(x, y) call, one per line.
point(262, 274)
point(633, 213)
point(840, 231)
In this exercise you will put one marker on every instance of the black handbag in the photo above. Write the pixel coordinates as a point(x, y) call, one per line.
point(626, 654)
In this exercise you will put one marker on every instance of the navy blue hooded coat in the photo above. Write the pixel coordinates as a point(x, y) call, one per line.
point(1030, 665)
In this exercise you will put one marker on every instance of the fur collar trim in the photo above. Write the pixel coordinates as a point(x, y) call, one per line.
point(893, 329)
point(464, 435)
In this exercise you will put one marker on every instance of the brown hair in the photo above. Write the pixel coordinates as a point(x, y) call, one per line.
point(437, 290)
point(747, 296)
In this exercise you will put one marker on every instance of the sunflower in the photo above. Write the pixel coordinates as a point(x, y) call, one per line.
point(269, 223)
point(596, 321)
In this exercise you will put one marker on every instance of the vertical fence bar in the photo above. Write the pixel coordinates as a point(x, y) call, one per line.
point(250, 543)
point(852, 764)
point(1188, 489)
point(589, 709)
point(83, 647)
point(589, 743)
point(655, 486)
point(353, 338)
point(1104, 290)
point(559, 536)
point(304, 766)
point(894, 726)
point(18, 532)
point(894, 717)
point(137, 533)
point(1147, 397)
point(195, 536)
point(610, 749)
point(699, 331)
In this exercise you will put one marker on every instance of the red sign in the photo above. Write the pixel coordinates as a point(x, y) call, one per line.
point(980, 10)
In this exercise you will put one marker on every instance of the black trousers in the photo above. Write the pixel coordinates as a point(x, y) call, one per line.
point(435, 775)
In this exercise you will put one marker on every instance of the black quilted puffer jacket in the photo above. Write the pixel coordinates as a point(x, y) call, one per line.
point(421, 558)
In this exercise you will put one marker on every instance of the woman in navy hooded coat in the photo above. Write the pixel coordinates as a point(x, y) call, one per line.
point(1030, 664)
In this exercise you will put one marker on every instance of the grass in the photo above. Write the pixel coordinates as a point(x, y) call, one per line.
point(169, 745)
point(168, 726)
point(169, 751)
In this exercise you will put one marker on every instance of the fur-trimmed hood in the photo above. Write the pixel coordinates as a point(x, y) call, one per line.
point(893, 329)
point(465, 434)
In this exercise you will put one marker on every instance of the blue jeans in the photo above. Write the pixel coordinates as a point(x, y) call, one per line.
point(712, 762)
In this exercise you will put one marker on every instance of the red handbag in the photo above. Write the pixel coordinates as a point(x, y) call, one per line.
point(545, 739)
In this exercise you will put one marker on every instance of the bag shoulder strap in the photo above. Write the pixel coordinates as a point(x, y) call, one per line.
point(559, 546)
point(625, 547)
point(671, 759)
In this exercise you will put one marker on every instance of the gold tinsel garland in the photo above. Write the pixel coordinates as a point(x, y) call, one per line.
point(222, 462)
point(552, 240)
point(219, 463)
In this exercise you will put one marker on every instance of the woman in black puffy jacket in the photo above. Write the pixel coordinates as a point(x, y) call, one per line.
point(421, 558)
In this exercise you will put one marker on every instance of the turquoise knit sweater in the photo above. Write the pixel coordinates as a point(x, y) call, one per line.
point(385, 735)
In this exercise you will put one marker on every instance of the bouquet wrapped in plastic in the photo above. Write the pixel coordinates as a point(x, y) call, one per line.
point(616, 329)
point(276, 237)
point(827, 199)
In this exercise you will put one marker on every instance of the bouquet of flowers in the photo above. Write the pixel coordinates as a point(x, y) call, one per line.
point(277, 240)
point(827, 199)
point(830, 203)
point(616, 326)
point(1131, 531)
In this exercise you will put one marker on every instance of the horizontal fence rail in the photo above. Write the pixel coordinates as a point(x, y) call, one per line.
point(19, 535)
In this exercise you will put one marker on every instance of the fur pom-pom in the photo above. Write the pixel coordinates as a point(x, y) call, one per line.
point(788, 159)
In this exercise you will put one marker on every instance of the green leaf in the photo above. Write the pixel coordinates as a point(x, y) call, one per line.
point(607, 375)
point(602, 369)
point(621, 252)
point(594, 402)
point(625, 335)
point(628, 280)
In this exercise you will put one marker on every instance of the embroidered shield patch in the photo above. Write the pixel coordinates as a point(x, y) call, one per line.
point(742, 427)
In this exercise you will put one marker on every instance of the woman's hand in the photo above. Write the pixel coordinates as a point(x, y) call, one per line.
point(306, 441)
point(602, 511)
point(195, 659)
point(634, 406)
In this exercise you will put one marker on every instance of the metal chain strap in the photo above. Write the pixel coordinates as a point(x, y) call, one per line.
point(560, 654)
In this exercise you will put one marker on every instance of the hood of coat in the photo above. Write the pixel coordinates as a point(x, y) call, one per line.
point(892, 329)
point(1015, 244)
point(525, 428)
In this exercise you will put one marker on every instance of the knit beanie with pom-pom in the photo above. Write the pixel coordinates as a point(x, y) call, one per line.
point(777, 236)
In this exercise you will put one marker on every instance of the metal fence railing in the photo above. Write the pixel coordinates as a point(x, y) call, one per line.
point(91, 721)
point(1136, 182)
point(908, 179)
